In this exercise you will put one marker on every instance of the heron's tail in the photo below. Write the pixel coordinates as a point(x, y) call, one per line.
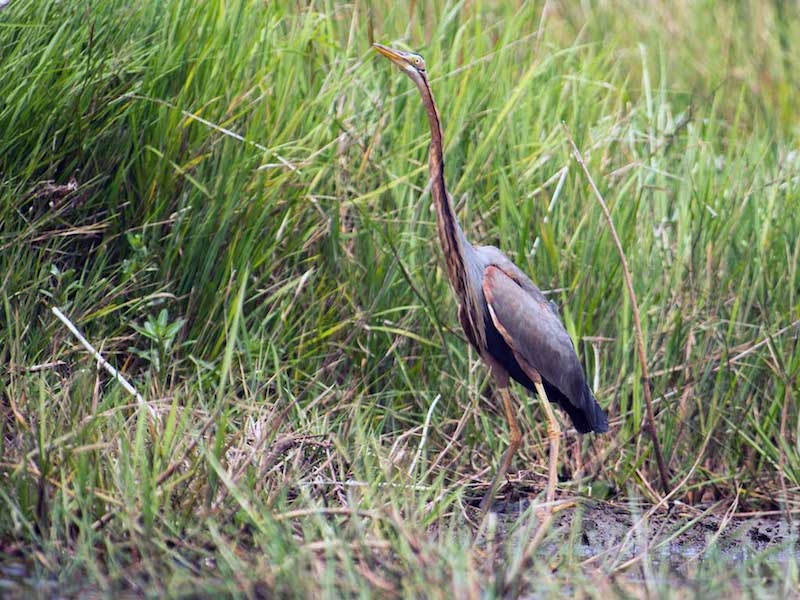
point(589, 417)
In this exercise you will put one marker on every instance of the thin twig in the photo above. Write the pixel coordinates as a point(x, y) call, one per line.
point(326, 510)
point(364, 484)
point(220, 129)
point(103, 362)
point(726, 520)
point(562, 177)
point(651, 419)
point(424, 435)
point(44, 366)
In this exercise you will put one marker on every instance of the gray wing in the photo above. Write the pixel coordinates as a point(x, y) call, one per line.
point(494, 256)
point(532, 328)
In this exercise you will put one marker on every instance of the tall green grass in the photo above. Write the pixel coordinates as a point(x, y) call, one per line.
point(249, 239)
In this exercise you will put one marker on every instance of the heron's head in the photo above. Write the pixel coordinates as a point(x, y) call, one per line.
point(409, 63)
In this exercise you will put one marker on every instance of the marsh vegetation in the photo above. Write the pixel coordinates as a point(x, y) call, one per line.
point(229, 200)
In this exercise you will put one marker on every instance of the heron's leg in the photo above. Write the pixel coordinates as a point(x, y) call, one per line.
point(553, 434)
point(514, 440)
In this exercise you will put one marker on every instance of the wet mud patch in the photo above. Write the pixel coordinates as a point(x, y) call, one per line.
point(622, 538)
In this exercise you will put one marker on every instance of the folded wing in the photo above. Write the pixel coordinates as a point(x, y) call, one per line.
point(534, 332)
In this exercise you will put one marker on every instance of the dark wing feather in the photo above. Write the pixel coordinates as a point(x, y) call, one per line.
point(533, 330)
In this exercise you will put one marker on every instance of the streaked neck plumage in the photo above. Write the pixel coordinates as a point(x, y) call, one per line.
point(455, 246)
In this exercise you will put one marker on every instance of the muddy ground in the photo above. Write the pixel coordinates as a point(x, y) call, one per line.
point(638, 541)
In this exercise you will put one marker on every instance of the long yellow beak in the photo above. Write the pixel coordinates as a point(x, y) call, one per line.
point(393, 55)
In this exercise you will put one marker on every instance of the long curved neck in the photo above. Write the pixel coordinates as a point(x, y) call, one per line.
point(451, 236)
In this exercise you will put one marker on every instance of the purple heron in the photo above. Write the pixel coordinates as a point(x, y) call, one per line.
point(508, 320)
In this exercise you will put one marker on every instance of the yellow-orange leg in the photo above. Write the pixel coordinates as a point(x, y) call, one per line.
point(514, 440)
point(553, 434)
